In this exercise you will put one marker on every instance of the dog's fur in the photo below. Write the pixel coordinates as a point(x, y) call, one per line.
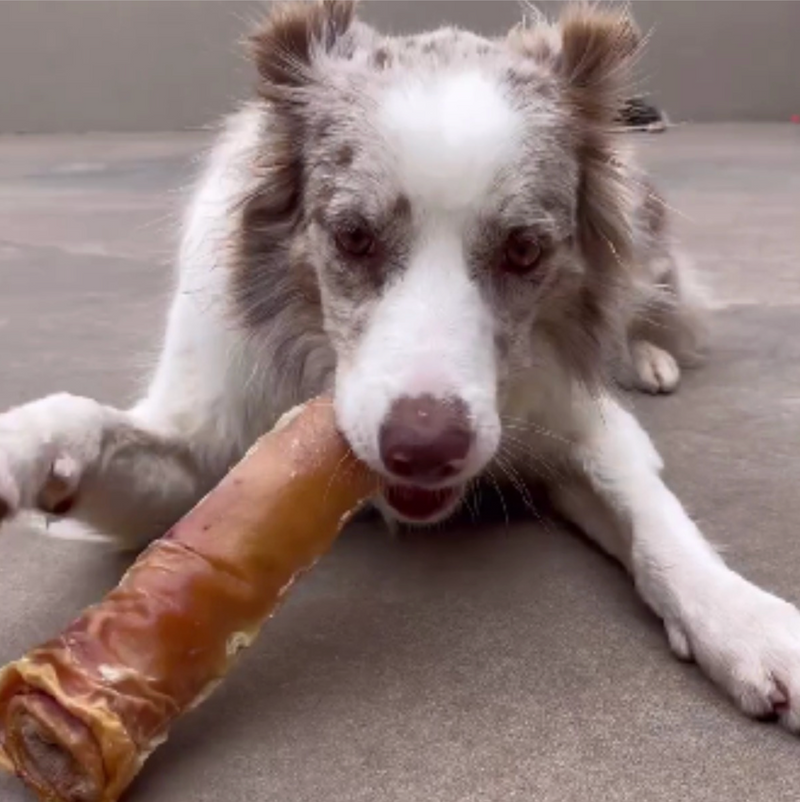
point(438, 146)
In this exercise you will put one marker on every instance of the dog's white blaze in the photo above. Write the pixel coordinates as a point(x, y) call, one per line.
point(430, 334)
point(450, 134)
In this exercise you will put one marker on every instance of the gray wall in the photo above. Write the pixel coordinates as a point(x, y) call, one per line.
point(135, 65)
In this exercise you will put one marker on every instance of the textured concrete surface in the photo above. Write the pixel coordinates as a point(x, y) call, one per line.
point(491, 663)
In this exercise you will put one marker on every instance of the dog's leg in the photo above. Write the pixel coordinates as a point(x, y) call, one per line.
point(745, 639)
point(123, 474)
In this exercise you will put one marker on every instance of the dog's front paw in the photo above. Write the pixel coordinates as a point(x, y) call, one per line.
point(748, 642)
point(45, 447)
point(656, 371)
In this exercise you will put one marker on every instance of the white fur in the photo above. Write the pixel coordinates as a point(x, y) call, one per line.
point(451, 133)
point(203, 351)
point(430, 334)
point(746, 640)
point(134, 472)
point(126, 480)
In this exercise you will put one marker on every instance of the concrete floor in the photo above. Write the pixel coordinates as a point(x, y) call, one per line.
point(499, 663)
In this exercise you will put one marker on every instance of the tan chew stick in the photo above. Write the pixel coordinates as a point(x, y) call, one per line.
point(80, 714)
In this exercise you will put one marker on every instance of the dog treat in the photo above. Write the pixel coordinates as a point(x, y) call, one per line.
point(80, 714)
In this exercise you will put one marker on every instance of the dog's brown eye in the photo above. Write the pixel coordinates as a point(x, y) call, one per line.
point(522, 253)
point(356, 241)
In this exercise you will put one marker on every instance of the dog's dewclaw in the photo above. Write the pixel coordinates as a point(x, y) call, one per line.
point(80, 714)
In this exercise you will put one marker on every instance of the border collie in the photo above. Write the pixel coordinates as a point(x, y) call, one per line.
point(445, 233)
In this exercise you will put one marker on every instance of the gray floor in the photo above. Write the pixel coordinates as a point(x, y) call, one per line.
point(492, 664)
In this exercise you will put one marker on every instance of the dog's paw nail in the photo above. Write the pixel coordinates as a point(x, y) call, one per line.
point(62, 507)
point(678, 642)
point(57, 497)
point(779, 699)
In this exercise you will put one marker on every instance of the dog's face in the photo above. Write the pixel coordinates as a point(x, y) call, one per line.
point(438, 223)
point(441, 194)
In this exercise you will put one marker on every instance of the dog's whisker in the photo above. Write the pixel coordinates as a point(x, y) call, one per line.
point(524, 493)
point(515, 480)
point(537, 457)
point(536, 462)
point(521, 424)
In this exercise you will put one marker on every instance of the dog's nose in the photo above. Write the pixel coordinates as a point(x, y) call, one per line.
point(425, 439)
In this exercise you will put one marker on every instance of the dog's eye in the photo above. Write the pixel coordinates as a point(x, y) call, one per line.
point(522, 252)
point(356, 241)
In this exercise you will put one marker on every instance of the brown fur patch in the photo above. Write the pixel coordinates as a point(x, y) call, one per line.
point(283, 45)
point(268, 217)
point(381, 58)
point(323, 127)
point(274, 291)
point(594, 64)
point(345, 156)
point(597, 51)
point(605, 238)
point(402, 207)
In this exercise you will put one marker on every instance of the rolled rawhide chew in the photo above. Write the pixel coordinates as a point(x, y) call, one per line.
point(80, 714)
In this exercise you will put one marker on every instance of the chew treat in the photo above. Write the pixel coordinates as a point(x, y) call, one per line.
point(80, 714)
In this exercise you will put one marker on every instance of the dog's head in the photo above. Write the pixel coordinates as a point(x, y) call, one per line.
point(452, 199)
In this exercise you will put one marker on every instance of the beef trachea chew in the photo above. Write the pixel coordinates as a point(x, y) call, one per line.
point(80, 714)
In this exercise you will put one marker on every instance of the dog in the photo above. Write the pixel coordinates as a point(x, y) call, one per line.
point(447, 234)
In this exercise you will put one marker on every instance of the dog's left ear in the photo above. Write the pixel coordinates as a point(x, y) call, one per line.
point(591, 49)
point(598, 49)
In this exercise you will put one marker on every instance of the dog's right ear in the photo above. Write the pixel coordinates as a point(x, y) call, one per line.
point(294, 33)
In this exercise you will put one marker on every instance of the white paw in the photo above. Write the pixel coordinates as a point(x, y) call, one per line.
point(656, 370)
point(748, 642)
point(45, 447)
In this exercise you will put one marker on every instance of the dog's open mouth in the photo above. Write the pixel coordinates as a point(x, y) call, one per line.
point(420, 505)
